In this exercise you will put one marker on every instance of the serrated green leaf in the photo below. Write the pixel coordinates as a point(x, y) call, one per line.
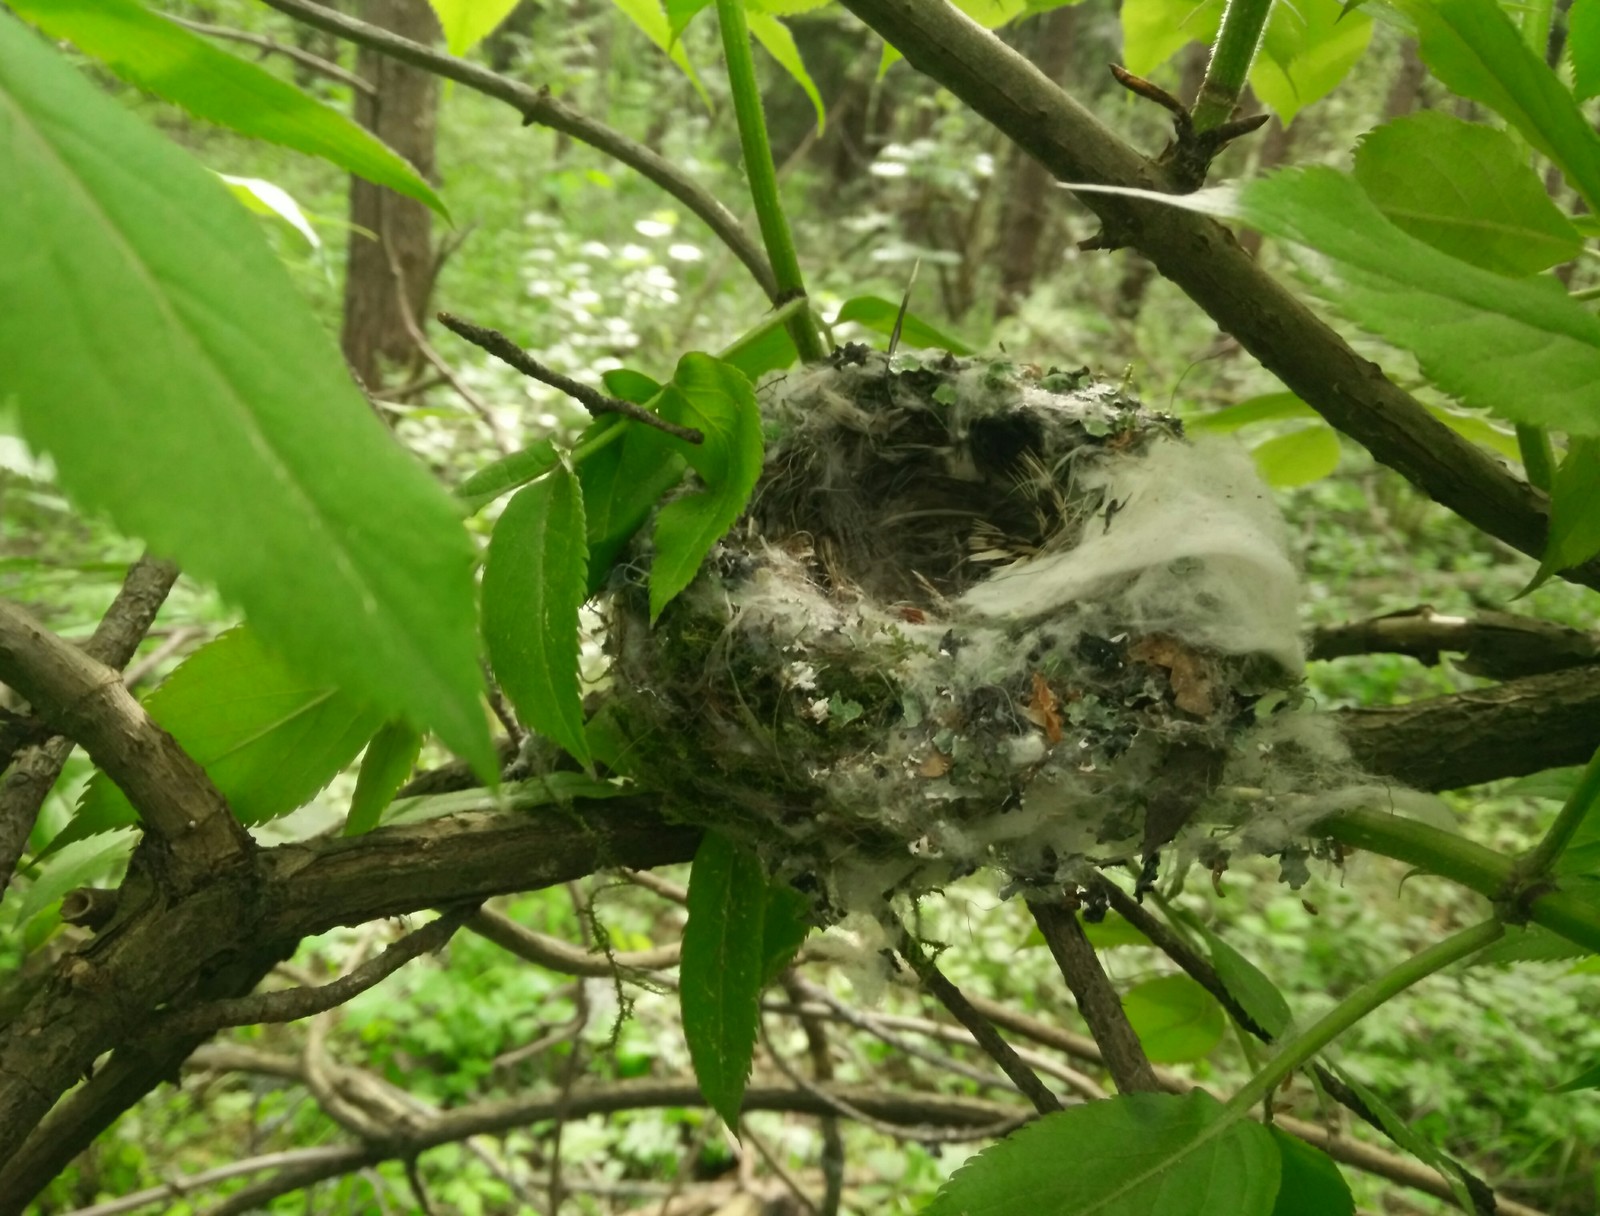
point(1465, 189)
point(1176, 1019)
point(1127, 1156)
point(621, 486)
point(1153, 31)
point(721, 970)
point(785, 925)
point(506, 474)
point(991, 14)
point(1299, 458)
point(269, 738)
point(681, 12)
point(1258, 995)
point(468, 22)
point(878, 315)
point(1528, 944)
point(1583, 44)
point(264, 198)
point(1574, 510)
point(715, 398)
point(774, 35)
point(648, 16)
point(159, 352)
point(1479, 431)
point(1403, 1134)
point(390, 757)
point(535, 579)
point(625, 384)
point(1268, 407)
point(767, 347)
point(1312, 1184)
point(1309, 47)
point(1477, 50)
point(147, 50)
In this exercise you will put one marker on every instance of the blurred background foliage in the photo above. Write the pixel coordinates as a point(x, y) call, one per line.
point(593, 268)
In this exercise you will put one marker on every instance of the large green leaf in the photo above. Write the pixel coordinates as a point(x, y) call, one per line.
point(774, 35)
point(1408, 1138)
point(1465, 189)
point(159, 352)
point(1588, 1079)
point(1175, 1018)
point(1574, 510)
point(507, 473)
point(1519, 347)
point(1312, 1184)
point(621, 486)
point(390, 757)
point(724, 956)
point(268, 737)
point(715, 398)
point(1128, 1156)
point(1477, 50)
point(1583, 43)
point(1309, 47)
point(147, 50)
point(535, 580)
point(785, 925)
point(879, 315)
point(648, 16)
point(1256, 994)
point(468, 22)
point(1268, 407)
point(1304, 455)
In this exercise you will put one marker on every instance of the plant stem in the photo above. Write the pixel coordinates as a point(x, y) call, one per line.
point(1357, 1005)
point(1468, 864)
point(1538, 458)
point(763, 175)
point(1238, 39)
point(1547, 852)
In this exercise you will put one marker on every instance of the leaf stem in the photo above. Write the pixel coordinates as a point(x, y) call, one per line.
point(1238, 39)
point(1358, 1004)
point(1544, 855)
point(763, 175)
point(1538, 457)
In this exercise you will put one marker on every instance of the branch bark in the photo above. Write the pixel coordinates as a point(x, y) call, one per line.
point(1203, 258)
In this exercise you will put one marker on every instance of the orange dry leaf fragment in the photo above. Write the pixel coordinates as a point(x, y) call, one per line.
point(1041, 710)
point(937, 764)
point(1193, 682)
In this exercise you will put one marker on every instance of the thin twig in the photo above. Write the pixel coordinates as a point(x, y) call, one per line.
point(832, 1161)
point(294, 1003)
point(1097, 999)
point(538, 106)
point(314, 63)
point(596, 402)
point(963, 1011)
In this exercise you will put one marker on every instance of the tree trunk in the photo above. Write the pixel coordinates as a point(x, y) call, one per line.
point(391, 231)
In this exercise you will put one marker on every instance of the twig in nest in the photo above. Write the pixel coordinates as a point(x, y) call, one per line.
point(596, 402)
point(982, 1030)
point(1097, 999)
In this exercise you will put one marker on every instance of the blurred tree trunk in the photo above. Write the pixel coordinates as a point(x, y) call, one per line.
point(404, 114)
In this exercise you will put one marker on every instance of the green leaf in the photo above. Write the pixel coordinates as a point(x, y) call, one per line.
point(1403, 1134)
point(991, 14)
point(149, 51)
point(553, 789)
point(1258, 995)
point(1175, 1018)
point(468, 22)
point(1153, 31)
point(1477, 50)
point(628, 385)
point(264, 198)
point(1574, 510)
point(506, 474)
point(268, 737)
point(159, 352)
point(1588, 1079)
point(80, 864)
point(1309, 47)
point(878, 315)
point(621, 485)
point(767, 347)
point(1479, 431)
point(681, 12)
point(1299, 458)
point(721, 969)
point(1465, 189)
point(1128, 1156)
point(785, 926)
point(1269, 407)
point(535, 579)
point(1556, 783)
point(774, 35)
point(1519, 347)
point(1583, 43)
point(390, 757)
point(1114, 930)
point(1312, 1184)
point(652, 23)
point(1528, 944)
point(715, 398)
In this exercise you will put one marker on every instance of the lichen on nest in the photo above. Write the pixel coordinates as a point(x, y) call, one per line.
point(976, 615)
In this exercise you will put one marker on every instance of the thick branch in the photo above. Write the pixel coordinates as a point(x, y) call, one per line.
point(1496, 645)
point(538, 106)
point(86, 701)
point(1204, 259)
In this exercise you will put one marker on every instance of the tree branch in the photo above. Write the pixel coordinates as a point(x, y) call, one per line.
point(1496, 645)
point(313, 63)
point(1205, 260)
point(553, 954)
point(538, 106)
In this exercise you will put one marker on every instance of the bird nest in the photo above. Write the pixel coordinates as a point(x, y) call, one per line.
point(978, 615)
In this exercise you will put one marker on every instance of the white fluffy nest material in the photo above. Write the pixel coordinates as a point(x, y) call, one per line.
point(980, 616)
